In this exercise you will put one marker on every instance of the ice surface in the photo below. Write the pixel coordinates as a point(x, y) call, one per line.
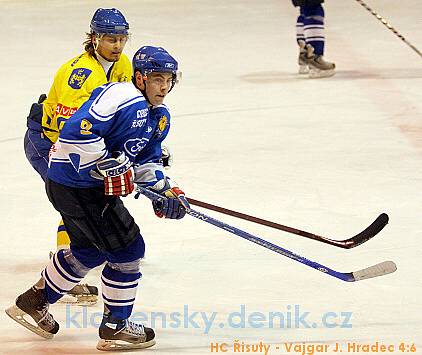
point(248, 133)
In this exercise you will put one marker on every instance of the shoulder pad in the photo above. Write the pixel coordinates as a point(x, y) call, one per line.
point(160, 109)
point(114, 97)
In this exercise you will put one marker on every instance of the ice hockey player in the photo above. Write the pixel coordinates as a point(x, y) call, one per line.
point(311, 40)
point(111, 141)
point(102, 62)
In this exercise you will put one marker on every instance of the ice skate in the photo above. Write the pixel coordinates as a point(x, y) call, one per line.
point(81, 295)
point(318, 67)
point(302, 60)
point(124, 335)
point(33, 303)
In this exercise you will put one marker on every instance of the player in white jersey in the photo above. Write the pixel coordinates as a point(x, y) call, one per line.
point(110, 143)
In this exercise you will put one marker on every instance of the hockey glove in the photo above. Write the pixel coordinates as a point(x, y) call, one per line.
point(173, 206)
point(151, 176)
point(118, 174)
point(35, 114)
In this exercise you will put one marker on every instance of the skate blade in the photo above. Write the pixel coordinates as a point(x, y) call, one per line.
point(116, 345)
point(317, 73)
point(79, 300)
point(303, 69)
point(17, 315)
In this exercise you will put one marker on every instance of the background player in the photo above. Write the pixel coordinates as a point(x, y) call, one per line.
point(102, 62)
point(311, 40)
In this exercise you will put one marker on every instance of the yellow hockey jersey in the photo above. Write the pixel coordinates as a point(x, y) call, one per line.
point(72, 86)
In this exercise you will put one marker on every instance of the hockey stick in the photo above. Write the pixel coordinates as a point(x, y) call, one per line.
point(371, 231)
point(380, 269)
point(391, 28)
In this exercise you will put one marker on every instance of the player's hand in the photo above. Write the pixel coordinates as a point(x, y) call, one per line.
point(151, 176)
point(174, 206)
point(118, 174)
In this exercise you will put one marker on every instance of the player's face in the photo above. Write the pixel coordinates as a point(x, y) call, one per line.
point(158, 86)
point(110, 47)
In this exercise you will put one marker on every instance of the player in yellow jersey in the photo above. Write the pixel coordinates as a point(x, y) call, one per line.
point(102, 62)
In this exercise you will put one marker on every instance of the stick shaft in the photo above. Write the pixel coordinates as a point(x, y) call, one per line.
point(352, 242)
point(268, 245)
point(391, 28)
point(254, 219)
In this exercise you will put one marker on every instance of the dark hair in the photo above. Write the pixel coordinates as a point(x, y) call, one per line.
point(89, 46)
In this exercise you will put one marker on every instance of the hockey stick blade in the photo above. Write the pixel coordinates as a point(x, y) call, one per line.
point(384, 268)
point(360, 238)
point(371, 231)
point(372, 271)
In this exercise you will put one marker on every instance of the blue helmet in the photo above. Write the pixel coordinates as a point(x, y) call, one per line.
point(148, 59)
point(110, 21)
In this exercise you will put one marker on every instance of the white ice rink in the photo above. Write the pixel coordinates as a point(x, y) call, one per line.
point(326, 156)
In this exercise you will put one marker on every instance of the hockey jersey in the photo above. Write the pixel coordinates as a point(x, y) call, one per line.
point(116, 118)
point(72, 86)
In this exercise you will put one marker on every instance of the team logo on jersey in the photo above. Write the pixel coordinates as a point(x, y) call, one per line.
point(162, 123)
point(85, 127)
point(78, 77)
point(134, 146)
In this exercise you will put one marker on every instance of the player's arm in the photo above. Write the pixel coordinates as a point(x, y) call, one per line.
point(165, 151)
point(49, 121)
point(158, 151)
point(152, 176)
point(125, 139)
point(149, 170)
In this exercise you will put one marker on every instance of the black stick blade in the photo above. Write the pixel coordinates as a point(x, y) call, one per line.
point(370, 232)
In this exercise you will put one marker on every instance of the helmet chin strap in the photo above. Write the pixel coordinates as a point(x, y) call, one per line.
point(96, 41)
point(106, 64)
point(144, 91)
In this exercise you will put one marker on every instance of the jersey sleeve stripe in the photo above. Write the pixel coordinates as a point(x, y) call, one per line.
point(77, 141)
point(107, 117)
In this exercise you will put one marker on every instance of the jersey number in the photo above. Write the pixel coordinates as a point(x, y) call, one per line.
point(85, 127)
